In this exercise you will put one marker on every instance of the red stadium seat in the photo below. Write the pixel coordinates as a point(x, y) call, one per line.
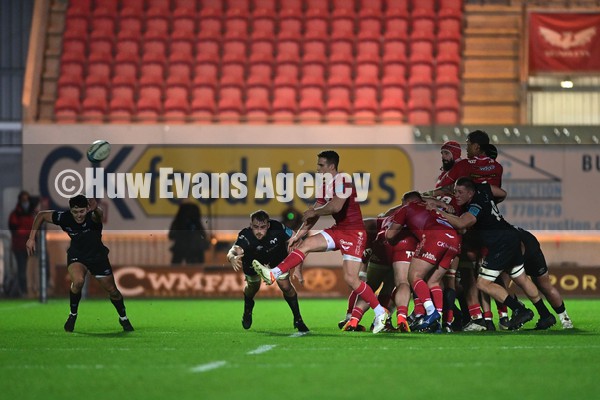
point(72, 64)
point(313, 74)
point(184, 20)
point(285, 104)
point(176, 109)
point(232, 75)
point(394, 75)
point(286, 74)
point(101, 41)
point(97, 86)
point(137, 5)
point(366, 107)
point(315, 51)
point(99, 64)
point(131, 19)
point(70, 86)
point(230, 103)
point(451, 4)
point(234, 51)
point(128, 42)
point(151, 86)
point(341, 52)
point(126, 65)
point(177, 86)
point(367, 51)
point(263, 22)
point(121, 109)
point(123, 88)
point(450, 20)
point(367, 75)
point(447, 112)
point(93, 109)
point(154, 42)
point(258, 107)
point(317, 5)
point(148, 110)
point(66, 110)
point(394, 51)
point(340, 75)
point(342, 24)
point(203, 99)
point(261, 49)
point(207, 51)
point(393, 106)
point(153, 64)
point(260, 75)
point(423, 20)
point(288, 51)
point(158, 19)
point(206, 74)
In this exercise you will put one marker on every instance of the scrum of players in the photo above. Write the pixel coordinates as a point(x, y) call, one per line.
point(479, 265)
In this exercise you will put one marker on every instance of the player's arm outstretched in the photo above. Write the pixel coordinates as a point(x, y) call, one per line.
point(234, 256)
point(97, 213)
point(42, 216)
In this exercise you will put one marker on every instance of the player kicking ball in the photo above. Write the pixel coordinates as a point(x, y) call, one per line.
point(83, 224)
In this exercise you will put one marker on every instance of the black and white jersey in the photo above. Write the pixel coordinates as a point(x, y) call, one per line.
point(490, 223)
point(86, 238)
point(271, 249)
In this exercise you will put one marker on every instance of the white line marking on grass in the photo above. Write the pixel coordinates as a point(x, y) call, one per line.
point(26, 305)
point(262, 349)
point(298, 334)
point(209, 366)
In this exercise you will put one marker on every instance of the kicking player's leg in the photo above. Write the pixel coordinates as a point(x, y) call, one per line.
point(108, 283)
point(291, 297)
point(252, 287)
point(77, 272)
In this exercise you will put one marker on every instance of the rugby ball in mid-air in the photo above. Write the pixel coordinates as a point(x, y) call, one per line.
point(98, 151)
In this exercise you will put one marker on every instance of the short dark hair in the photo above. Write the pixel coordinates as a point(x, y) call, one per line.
point(79, 201)
point(331, 156)
point(466, 182)
point(260, 216)
point(412, 196)
point(479, 137)
point(491, 151)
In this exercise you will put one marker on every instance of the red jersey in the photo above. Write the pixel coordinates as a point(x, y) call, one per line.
point(418, 219)
point(480, 169)
point(350, 216)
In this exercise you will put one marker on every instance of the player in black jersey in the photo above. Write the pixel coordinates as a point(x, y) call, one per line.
point(266, 242)
point(87, 253)
point(503, 245)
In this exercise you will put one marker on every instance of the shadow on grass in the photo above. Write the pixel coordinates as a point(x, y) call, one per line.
point(105, 334)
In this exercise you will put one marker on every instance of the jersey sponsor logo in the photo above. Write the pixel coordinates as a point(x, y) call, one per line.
point(273, 241)
point(428, 256)
point(474, 210)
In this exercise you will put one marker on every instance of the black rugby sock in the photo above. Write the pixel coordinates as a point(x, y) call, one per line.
point(74, 299)
point(512, 303)
point(248, 304)
point(560, 309)
point(120, 306)
point(293, 303)
point(541, 308)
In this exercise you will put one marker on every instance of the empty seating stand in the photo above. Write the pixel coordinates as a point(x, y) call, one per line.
point(261, 61)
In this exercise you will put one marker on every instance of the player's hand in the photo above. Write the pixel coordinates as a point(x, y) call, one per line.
point(309, 214)
point(92, 205)
point(298, 275)
point(294, 242)
point(236, 262)
point(30, 245)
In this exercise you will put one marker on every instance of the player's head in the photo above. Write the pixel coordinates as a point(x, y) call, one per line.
point(23, 200)
point(450, 154)
point(477, 142)
point(410, 197)
point(259, 223)
point(78, 206)
point(328, 161)
point(464, 190)
point(491, 151)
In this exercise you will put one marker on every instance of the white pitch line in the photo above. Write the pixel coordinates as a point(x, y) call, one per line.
point(262, 349)
point(209, 366)
point(298, 334)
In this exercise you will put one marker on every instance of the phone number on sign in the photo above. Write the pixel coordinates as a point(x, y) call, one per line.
point(531, 209)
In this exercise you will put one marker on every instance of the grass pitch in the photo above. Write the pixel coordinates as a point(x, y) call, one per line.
point(197, 349)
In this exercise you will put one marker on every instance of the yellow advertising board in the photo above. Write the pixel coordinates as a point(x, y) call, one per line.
point(237, 180)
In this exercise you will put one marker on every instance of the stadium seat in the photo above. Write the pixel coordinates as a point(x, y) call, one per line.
point(396, 24)
point(182, 42)
point(72, 64)
point(93, 109)
point(447, 93)
point(208, 51)
point(101, 41)
point(290, 23)
point(70, 86)
point(99, 64)
point(375, 5)
point(211, 9)
point(131, 19)
point(368, 51)
point(397, 4)
point(449, 20)
point(268, 5)
point(258, 107)
point(176, 109)
point(392, 106)
point(342, 24)
point(137, 5)
point(230, 105)
point(126, 65)
point(260, 74)
point(447, 112)
point(367, 75)
point(447, 73)
point(158, 19)
point(177, 87)
point(366, 107)
point(128, 42)
point(237, 8)
point(261, 49)
point(421, 96)
point(180, 64)
point(311, 100)
point(204, 106)
point(423, 5)
point(151, 86)
point(340, 75)
point(97, 86)
point(313, 74)
point(103, 19)
point(421, 47)
point(338, 5)
point(153, 64)
point(285, 104)
point(288, 51)
point(184, 20)
point(74, 41)
point(148, 110)
point(394, 75)
point(420, 74)
point(419, 116)
point(286, 74)
point(370, 20)
point(235, 24)
point(338, 105)
point(394, 51)
point(341, 52)
point(317, 5)
point(123, 88)
point(423, 20)
point(66, 110)
point(263, 22)
point(315, 26)
point(315, 51)
point(234, 50)
point(121, 109)
point(154, 42)
point(209, 26)
point(451, 4)
point(206, 74)
point(232, 75)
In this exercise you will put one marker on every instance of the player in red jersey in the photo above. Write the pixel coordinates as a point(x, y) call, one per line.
point(438, 245)
point(347, 235)
point(388, 265)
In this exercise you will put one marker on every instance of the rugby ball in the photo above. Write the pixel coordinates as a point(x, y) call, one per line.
point(98, 151)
